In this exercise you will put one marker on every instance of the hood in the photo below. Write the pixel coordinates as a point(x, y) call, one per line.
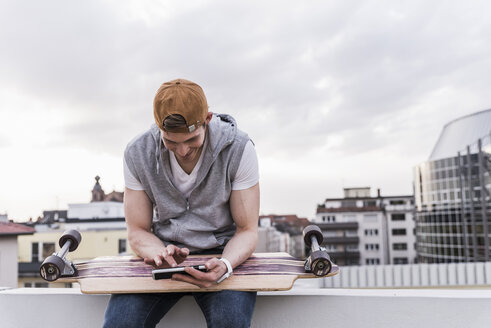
point(221, 132)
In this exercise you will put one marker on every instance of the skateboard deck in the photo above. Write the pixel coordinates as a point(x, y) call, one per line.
point(126, 274)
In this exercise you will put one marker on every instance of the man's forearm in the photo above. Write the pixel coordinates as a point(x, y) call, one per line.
point(241, 246)
point(244, 206)
point(144, 243)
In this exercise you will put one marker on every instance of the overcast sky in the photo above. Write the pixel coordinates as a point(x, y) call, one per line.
point(333, 93)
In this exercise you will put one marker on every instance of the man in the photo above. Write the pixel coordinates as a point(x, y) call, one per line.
point(198, 173)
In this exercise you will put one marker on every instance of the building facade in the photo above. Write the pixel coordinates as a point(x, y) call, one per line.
point(101, 223)
point(452, 193)
point(9, 234)
point(282, 233)
point(363, 230)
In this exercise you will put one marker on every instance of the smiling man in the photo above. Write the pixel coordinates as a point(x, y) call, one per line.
point(192, 186)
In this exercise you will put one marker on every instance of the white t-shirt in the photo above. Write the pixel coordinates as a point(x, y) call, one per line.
point(247, 173)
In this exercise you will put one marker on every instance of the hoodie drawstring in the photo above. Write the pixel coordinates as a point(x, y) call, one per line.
point(158, 154)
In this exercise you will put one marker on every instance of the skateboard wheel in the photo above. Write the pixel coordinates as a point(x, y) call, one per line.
point(321, 263)
point(51, 268)
point(72, 235)
point(312, 230)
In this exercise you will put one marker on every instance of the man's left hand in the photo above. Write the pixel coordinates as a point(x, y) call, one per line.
point(216, 269)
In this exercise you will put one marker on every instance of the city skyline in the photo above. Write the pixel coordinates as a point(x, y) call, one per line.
point(333, 94)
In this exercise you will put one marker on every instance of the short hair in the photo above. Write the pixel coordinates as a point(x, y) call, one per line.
point(175, 123)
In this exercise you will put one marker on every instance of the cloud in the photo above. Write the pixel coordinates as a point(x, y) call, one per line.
point(4, 141)
point(338, 78)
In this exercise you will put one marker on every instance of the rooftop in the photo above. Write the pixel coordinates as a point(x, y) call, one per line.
point(321, 209)
point(14, 229)
point(459, 133)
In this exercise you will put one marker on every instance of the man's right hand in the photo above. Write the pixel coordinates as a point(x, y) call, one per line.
point(139, 212)
point(171, 254)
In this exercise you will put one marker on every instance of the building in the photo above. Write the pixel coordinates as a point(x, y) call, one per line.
point(9, 234)
point(101, 223)
point(363, 230)
point(271, 240)
point(282, 233)
point(452, 193)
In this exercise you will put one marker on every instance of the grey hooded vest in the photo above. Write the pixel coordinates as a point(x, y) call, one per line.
point(203, 221)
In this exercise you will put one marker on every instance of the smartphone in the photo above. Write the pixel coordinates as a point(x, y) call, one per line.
point(167, 273)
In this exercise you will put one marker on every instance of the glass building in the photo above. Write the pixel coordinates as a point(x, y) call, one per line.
point(452, 193)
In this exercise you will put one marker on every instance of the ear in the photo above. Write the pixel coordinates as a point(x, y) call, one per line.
point(208, 117)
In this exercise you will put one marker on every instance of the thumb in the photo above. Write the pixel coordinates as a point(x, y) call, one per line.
point(215, 265)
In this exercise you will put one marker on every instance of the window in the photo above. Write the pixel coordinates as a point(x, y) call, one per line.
point(352, 262)
point(398, 217)
point(372, 261)
point(35, 252)
point(397, 202)
point(122, 246)
point(371, 232)
point(348, 203)
point(41, 285)
point(40, 251)
point(399, 246)
point(48, 249)
point(328, 218)
point(400, 260)
point(398, 232)
point(372, 247)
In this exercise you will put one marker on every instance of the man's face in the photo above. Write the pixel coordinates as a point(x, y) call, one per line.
point(185, 146)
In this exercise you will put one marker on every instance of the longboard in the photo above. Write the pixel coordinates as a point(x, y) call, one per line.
point(126, 274)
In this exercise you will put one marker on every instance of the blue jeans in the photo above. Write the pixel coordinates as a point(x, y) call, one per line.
point(221, 309)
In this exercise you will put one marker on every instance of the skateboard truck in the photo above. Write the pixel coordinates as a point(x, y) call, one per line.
point(56, 265)
point(318, 262)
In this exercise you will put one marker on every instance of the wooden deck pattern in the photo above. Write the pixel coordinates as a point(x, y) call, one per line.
point(123, 274)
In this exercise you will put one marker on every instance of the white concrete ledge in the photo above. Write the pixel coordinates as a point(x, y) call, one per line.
point(296, 308)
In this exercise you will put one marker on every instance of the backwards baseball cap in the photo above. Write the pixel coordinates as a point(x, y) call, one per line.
point(181, 97)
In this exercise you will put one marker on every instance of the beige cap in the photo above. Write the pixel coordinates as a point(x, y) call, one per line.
point(181, 97)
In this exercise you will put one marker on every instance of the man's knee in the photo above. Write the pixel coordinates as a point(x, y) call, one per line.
point(230, 309)
point(137, 310)
point(121, 313)
point(114, 321)
point(234, 318)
